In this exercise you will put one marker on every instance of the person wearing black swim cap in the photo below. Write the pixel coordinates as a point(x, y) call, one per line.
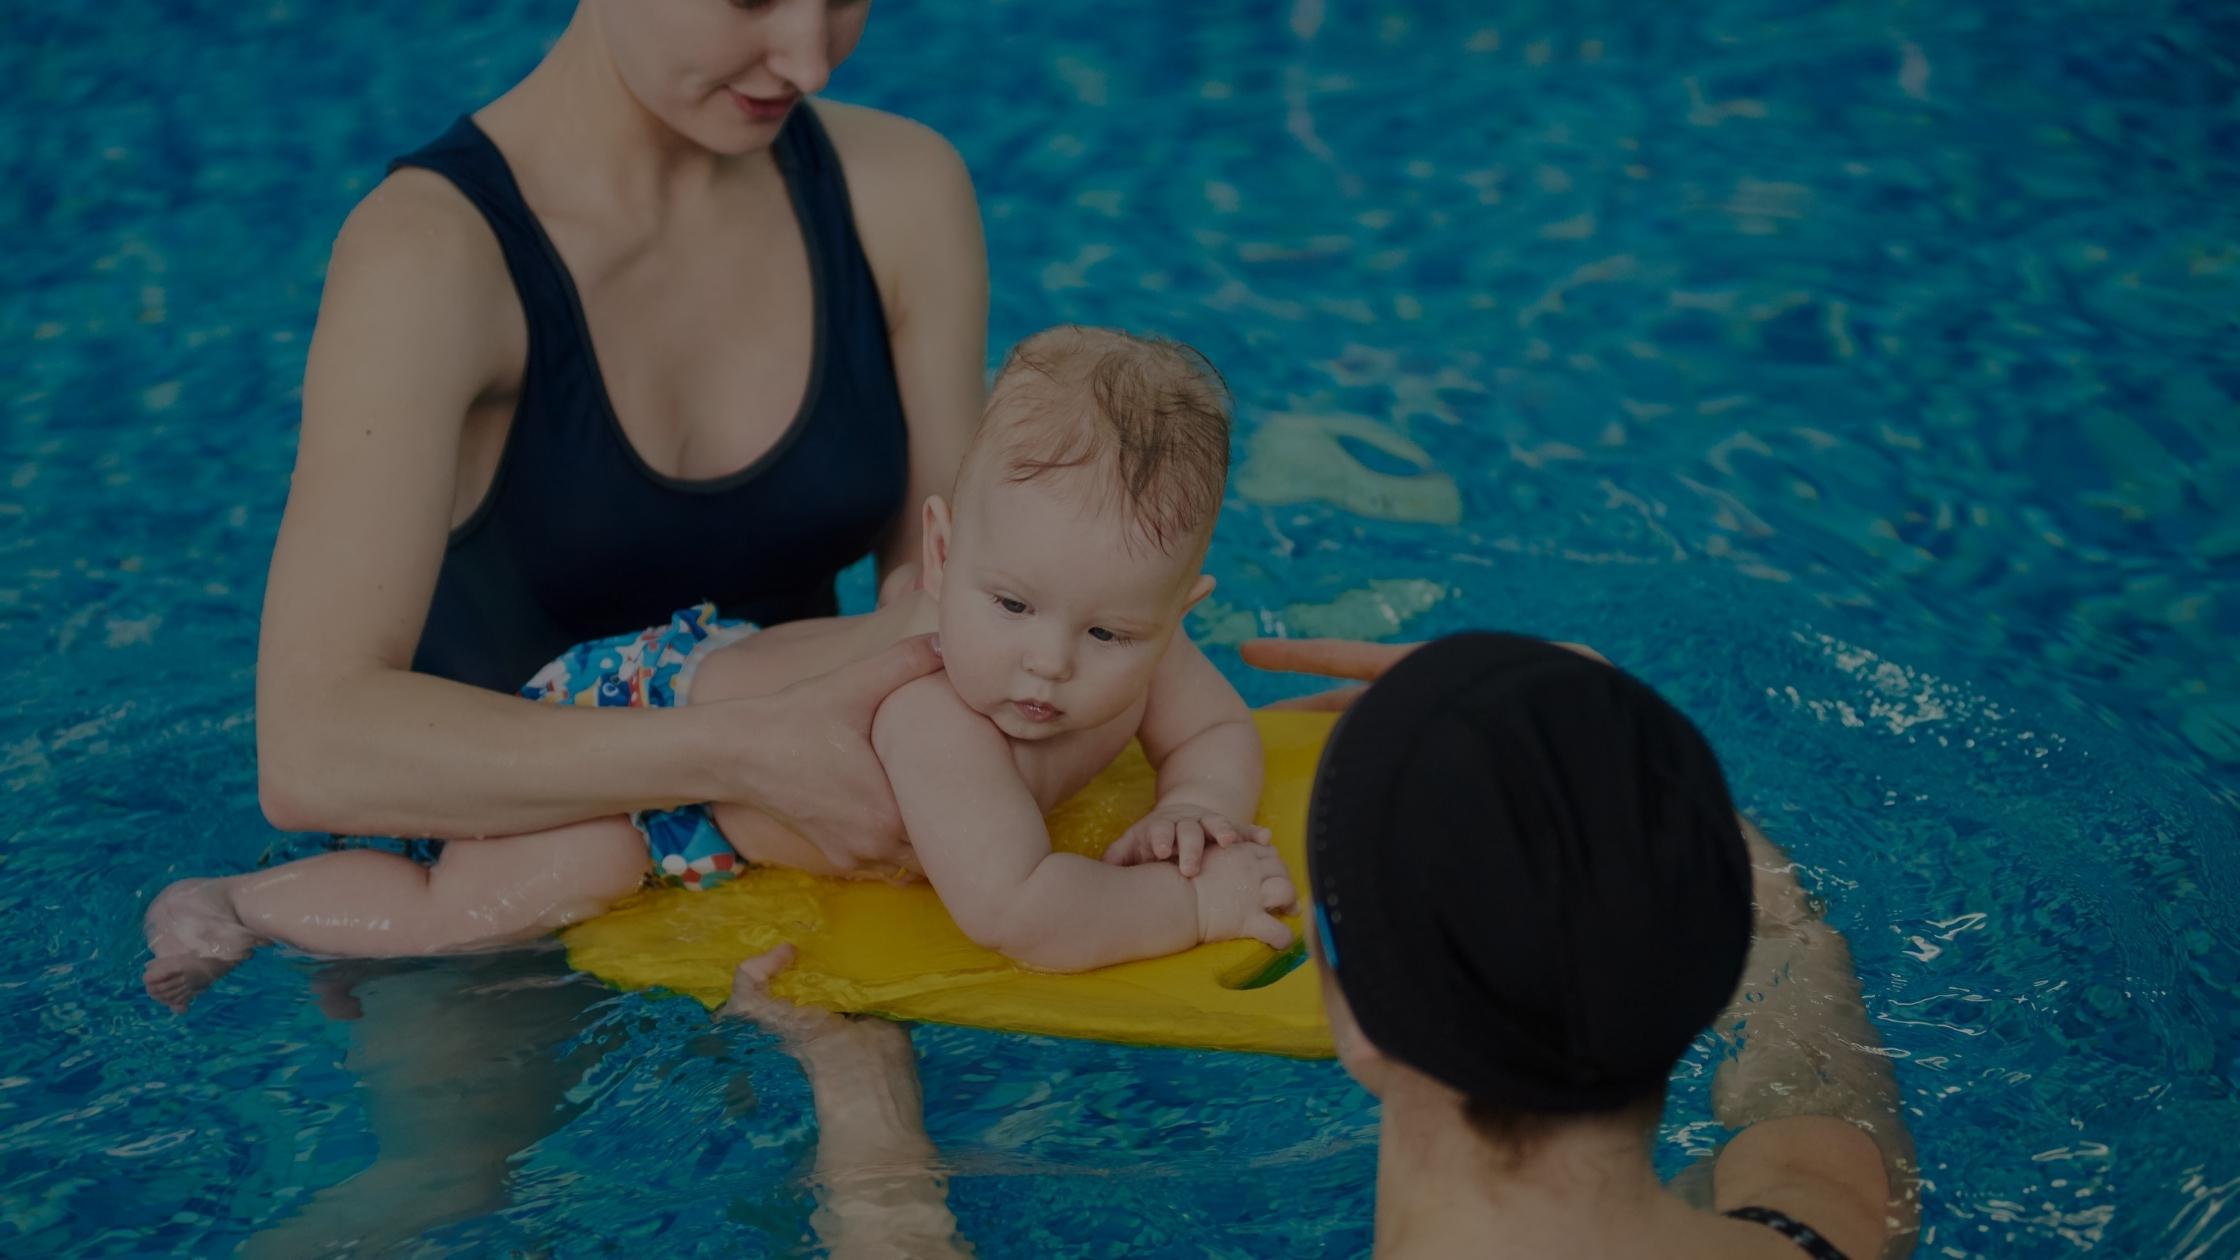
point(1531, 893)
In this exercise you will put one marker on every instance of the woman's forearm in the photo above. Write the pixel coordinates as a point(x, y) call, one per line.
point(388, 752)
point(881, 1190)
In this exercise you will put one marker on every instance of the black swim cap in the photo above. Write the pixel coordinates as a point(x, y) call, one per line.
point(1528, 874)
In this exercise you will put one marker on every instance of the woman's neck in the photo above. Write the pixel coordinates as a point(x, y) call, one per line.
point(575, 111)
point(1585, 1189)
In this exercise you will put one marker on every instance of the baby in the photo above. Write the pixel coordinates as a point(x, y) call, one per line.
point(1056, 577)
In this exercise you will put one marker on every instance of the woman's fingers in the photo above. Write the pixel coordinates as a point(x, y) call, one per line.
point(1336, 658)
point(1344, 658)
point(1321, 701)
point(752, 1000)
point(1582, 649)
point(864, 684)
point(1270, 931)
point(750, 985)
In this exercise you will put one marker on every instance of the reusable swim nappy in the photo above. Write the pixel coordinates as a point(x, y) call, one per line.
point(652, 669)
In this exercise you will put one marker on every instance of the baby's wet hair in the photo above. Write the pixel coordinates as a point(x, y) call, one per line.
point(1150, 413)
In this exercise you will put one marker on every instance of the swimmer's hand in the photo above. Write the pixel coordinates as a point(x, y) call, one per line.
point(1180, 829)
point(1240, 892)
point(803, 755)
point(1342, 658)
point(752, 1000)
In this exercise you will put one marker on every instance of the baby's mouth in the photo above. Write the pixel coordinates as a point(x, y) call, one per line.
point(1037, 711)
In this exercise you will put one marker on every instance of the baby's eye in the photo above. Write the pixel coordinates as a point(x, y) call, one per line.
point(1102, 635)
point(1010, 605)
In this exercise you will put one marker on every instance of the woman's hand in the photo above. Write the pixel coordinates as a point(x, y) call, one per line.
point(1341, 658)
point(752, 1000)
point(804, 756)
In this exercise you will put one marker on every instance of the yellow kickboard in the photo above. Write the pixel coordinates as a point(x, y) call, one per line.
point(881, 949)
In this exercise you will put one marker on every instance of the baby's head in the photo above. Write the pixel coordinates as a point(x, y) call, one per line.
point(1081, 517)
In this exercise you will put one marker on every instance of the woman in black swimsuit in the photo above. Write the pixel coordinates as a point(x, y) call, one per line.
point(1531, 894)
point(655, 326)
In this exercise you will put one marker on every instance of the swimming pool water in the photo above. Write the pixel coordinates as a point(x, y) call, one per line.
point(1865, 376)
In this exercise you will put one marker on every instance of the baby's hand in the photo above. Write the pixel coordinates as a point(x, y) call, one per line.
point(1240, 892)
point(1180, 829)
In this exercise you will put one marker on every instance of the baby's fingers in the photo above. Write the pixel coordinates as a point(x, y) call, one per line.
point(1260, 835)
point(1190, 838)
point(1221, 831)
point(1127, 850)
point(1278, 895)
point(1162, 838)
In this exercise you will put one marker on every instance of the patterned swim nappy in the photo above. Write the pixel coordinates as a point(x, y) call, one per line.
point(652, 669)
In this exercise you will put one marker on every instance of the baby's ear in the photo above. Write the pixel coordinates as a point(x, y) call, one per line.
point(1198, 591)
point(934, 550)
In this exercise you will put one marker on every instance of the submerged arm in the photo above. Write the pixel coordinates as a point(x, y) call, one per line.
point(880, 1187)
point(1810, 1087)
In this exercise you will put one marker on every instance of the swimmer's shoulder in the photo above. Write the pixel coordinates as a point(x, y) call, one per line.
point(416, 244)
point(910, 192)
point(1819, 1170)
point(883, 152)
point(418, 220)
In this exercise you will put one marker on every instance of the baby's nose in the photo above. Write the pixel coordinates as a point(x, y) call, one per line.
point(1050, 661)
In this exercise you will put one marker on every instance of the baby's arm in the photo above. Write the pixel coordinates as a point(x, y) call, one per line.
point(1199, 734)
point(984, 847)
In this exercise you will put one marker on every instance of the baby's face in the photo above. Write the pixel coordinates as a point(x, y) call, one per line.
point(1050, 620)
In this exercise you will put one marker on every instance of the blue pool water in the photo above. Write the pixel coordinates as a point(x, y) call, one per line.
point(1866, 376)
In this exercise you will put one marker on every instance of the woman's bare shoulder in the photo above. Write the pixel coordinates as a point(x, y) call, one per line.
point(880, 146)
point(420, 219)
point(914, 207)
point(415, 253)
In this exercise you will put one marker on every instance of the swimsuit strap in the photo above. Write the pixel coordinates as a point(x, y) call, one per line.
point(1804, 1236)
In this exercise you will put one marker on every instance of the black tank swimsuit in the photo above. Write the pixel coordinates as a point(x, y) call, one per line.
point(1807, 1239)
point(578, 539)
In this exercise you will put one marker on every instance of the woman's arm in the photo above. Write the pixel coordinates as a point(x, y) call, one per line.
point(418, 324)
point(880, 1188)
point(1822, 1135)
point(920, 226)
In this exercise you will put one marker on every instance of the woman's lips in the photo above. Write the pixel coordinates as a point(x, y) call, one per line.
point(1036, 710)
point(763, 108)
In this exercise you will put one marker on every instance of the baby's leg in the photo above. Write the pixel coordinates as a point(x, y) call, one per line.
point(367, 904)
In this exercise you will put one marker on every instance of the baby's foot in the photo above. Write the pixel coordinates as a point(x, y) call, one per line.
point(196, 937)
